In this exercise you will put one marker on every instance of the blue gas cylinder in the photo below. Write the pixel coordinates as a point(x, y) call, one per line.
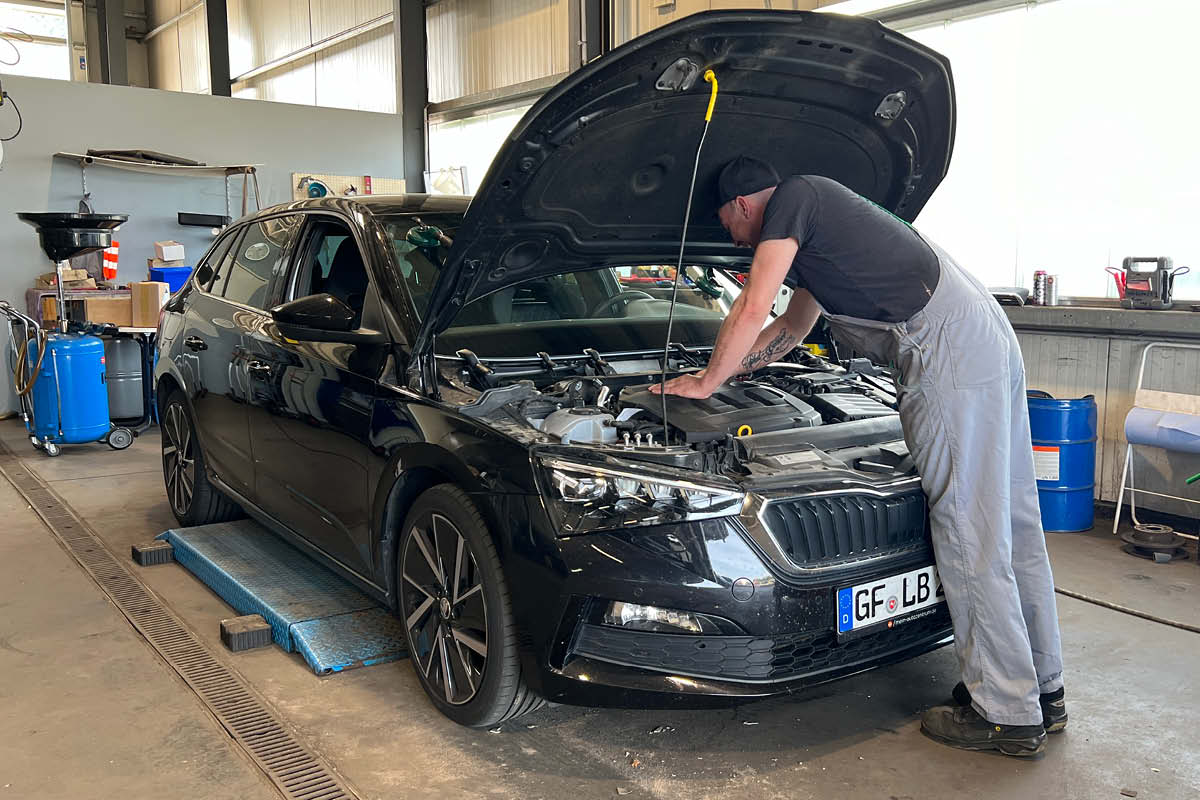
point(73, 373)
point(1064, 457)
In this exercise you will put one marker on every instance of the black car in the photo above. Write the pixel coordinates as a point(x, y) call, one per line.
point(447, 403)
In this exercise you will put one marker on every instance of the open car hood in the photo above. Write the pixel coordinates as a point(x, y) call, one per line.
point(597, 172)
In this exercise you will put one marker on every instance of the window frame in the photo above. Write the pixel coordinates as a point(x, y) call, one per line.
point(303, 244)
point(231, 234)
point(285, 257)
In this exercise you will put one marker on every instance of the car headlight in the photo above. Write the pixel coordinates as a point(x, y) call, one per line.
point(584, 498)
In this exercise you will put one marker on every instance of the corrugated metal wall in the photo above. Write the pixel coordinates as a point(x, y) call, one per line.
point(634, 17)
point(357, 74)
point(486, 45)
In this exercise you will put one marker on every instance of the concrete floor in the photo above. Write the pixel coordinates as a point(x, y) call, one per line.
point(130, 728)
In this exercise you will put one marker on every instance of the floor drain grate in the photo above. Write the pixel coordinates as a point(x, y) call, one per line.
point(294, 769)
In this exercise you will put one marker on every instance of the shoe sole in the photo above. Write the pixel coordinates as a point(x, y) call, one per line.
point(1016, 748)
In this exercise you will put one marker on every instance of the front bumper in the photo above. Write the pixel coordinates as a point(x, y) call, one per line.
point(787, 640)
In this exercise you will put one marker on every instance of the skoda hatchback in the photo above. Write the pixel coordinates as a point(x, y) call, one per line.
point(446, 401)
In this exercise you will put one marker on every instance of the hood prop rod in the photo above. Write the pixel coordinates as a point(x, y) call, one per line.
point(709, 77)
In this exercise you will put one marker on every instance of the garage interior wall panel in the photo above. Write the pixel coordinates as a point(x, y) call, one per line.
point(1070, 367)
point(193, 53)
point(634, 17)
point(477, 46)
point(162, 52)
point(296, 84)
point(1154, 469)
point(331, 17)
point(348, 75)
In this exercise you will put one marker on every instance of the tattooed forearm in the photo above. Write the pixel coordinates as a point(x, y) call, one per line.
point(782, 343)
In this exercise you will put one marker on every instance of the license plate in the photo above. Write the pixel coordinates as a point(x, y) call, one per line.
point(888, 599)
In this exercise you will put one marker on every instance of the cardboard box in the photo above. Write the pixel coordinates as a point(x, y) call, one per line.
point(148, 299)
point(151, 263)
point(169, 250)
point(49, 279)
point(112, 310)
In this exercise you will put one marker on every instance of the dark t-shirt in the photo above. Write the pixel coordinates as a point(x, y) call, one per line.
point(856, 258)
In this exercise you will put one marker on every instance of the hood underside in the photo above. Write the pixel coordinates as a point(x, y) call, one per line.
point(597, 172)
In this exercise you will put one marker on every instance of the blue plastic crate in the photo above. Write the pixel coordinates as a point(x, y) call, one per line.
point(175, 277)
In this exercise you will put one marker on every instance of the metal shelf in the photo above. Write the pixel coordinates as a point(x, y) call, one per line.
point(208, 170)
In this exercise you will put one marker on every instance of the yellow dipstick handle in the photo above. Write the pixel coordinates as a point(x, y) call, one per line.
point(745, 430)
point(711, 77)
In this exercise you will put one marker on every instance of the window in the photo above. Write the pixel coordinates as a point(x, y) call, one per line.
point(420, 259)
point(34, 40)
point(258, 257)
point(332, 264)
point(217, 260)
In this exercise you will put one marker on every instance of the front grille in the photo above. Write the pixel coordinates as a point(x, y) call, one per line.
point(753, 658)
point(826, 531)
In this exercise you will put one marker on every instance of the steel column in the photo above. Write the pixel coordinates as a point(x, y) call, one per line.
point(216, 16)
point(412, 87)
point(114, 66)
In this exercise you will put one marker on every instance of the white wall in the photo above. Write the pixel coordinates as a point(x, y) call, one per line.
point(1076, 142)
point(65, 116)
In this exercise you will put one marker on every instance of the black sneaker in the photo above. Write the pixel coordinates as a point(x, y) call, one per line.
point(1054, 707)
point(963, 728)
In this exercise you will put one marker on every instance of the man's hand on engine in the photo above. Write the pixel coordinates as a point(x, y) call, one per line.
point(693, 385)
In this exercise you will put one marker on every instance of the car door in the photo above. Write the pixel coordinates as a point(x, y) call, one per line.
point(215, 329)
point(310, 408)
point(209, 344)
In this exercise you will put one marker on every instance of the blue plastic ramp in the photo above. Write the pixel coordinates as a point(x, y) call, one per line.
point(310, 609)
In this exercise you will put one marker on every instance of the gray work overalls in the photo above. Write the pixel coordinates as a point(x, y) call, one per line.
point(965, 418)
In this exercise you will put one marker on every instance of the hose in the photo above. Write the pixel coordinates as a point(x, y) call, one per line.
point(20, 384)
point(1133, 612)
point(709, 77)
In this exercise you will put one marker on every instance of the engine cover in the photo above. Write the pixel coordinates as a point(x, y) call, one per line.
point(732, 408)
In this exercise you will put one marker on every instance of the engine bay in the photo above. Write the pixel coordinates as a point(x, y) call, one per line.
point(803, 414)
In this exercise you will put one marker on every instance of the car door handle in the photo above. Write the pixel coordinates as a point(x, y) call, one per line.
point(195, 343)
point(259, 369)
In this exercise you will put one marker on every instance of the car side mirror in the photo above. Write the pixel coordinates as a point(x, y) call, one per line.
point(317, 313)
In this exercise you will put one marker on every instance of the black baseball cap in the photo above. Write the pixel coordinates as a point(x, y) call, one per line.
point(745, 175)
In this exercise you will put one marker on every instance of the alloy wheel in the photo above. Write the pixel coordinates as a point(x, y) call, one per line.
point(444, 609)
point(179, 462)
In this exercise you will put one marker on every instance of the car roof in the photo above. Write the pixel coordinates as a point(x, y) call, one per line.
point(374, 204)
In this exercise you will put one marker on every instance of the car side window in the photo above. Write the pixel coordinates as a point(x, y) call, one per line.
point(219, 259)
point(332, 264)
point(257, 258)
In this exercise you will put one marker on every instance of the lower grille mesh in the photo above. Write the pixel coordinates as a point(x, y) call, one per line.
point(296, 771)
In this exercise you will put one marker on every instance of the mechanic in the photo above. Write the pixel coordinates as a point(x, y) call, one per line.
point(896, 297)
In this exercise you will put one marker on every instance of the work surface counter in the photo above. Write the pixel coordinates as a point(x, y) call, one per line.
point(1073, 351)
point(1118, 322)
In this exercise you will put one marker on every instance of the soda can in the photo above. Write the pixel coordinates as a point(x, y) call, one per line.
point(1051, 290)
point(1039, 287)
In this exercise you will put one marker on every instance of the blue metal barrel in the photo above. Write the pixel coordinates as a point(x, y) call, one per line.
point(1064, 457)
point(72, 370)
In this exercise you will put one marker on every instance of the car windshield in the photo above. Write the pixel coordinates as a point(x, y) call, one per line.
point(611, 309)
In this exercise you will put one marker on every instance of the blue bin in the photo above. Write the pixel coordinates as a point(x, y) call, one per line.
point(1064, 455)
point(72, 378)
point(175, 277)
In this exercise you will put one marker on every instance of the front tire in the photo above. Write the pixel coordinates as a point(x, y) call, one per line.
point(194, 500)
point(456, 611)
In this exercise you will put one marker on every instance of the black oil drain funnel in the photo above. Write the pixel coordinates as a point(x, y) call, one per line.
point(709, 77)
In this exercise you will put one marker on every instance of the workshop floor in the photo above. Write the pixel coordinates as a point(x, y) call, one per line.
point(90, 710)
